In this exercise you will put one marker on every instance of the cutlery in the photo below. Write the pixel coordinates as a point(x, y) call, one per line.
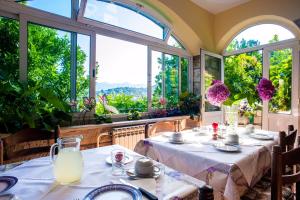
point(143, 191)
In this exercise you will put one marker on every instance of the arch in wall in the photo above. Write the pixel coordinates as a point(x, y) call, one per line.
point(263, 19)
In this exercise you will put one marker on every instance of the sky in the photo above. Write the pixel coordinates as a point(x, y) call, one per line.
point(126, 62)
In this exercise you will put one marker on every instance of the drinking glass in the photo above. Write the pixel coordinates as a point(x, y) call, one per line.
point(68, 164)
point(117, 162)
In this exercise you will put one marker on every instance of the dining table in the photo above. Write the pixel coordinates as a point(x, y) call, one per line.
point(36, 179)
point(229, 173)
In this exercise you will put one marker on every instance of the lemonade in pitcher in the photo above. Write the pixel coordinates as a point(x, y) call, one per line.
point(68, 165)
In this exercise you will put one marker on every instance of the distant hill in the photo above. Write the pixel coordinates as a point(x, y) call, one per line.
point(137, 92)
point(106, 86)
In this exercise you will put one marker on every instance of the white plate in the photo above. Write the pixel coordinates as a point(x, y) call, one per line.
point(227, 147)
point(128, 159)
point(262, 136)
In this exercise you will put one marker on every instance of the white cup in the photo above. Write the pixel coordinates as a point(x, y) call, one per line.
point(177, 137)
point(232, 139)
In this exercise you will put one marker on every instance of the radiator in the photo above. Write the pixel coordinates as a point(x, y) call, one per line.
point(128, 136)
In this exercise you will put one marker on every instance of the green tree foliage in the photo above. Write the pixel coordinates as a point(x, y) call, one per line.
point(124, 103)
point(171, 77)
point(243, 72)
point(49, 58)
point(9, 48)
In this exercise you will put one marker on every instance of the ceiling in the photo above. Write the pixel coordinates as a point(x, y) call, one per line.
point(217, 6)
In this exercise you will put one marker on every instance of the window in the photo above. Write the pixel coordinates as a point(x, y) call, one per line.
point(49, 59)
point(173, 42)
point(83, 66)
point(268, 33)
point(171, 67)
point(213, 71)
point(122, 75)
point(9, 48)
point(184, 65)
point(242, 73)
point(157, 78)
point(124, 17)
point(281, 77)
point(59, 7)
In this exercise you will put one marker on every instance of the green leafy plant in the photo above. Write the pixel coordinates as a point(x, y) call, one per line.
point(189, 103)
point(28, 105)
point(100, 119)
point(134, 115)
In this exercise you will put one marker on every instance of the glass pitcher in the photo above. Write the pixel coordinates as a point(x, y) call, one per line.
point(68, 164)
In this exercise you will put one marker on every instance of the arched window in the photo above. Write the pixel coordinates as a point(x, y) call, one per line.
point(259, 35)
point(124, 16)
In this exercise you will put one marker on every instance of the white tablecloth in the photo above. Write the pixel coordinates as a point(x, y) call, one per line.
point(228, 173)
point(36, 180)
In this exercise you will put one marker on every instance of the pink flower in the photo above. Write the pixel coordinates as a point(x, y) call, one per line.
point(162, 101)
point(265, 89)
point(217, 93)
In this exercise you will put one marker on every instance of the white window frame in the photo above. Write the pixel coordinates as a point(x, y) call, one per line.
point(293, 44)
point(81, 25)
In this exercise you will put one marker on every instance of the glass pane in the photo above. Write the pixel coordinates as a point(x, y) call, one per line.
point(49, 59)
point(184, 74)
point(59, 7)
point(268, 33)
point(83, 66)
point(242, 73)
point(281, 77)
point(173, 42)
point(122, 75)
point(171, 63)
point(213, 67)
point(157, 79)
point(120, 16)
point(9, 48)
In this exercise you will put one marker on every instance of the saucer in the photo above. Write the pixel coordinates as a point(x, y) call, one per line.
point(132, 174)
point(176, 141)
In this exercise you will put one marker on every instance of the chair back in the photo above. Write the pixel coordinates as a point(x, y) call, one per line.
point(158, 127)
point(279, 160)
point(290, 128)
point(26, 144)
point(287, 141)
point(189, 124)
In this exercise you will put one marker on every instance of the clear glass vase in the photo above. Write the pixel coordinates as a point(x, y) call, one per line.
point(231, 118)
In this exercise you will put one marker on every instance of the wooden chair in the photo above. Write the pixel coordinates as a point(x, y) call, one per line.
point(26, 144)
point(104, 139)
point(279, 160)
point(156, 128)
point(287, 141)
point(189, 124)
point(290, 128)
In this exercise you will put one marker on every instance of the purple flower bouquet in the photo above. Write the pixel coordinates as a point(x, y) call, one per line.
point(217, 93)
point(265, 89)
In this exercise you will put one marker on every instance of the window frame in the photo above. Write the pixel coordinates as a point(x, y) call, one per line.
point(25, 15)
point(293, 44)
point(130, 6)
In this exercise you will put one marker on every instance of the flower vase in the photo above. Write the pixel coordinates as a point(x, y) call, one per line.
point(231, 118)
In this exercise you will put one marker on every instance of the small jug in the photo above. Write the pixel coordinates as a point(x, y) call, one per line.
point(68, 164)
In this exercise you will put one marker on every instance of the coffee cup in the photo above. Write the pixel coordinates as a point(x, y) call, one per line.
point(144, 167)
point(232, 139)
point(177, 137)
point(250, 128)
